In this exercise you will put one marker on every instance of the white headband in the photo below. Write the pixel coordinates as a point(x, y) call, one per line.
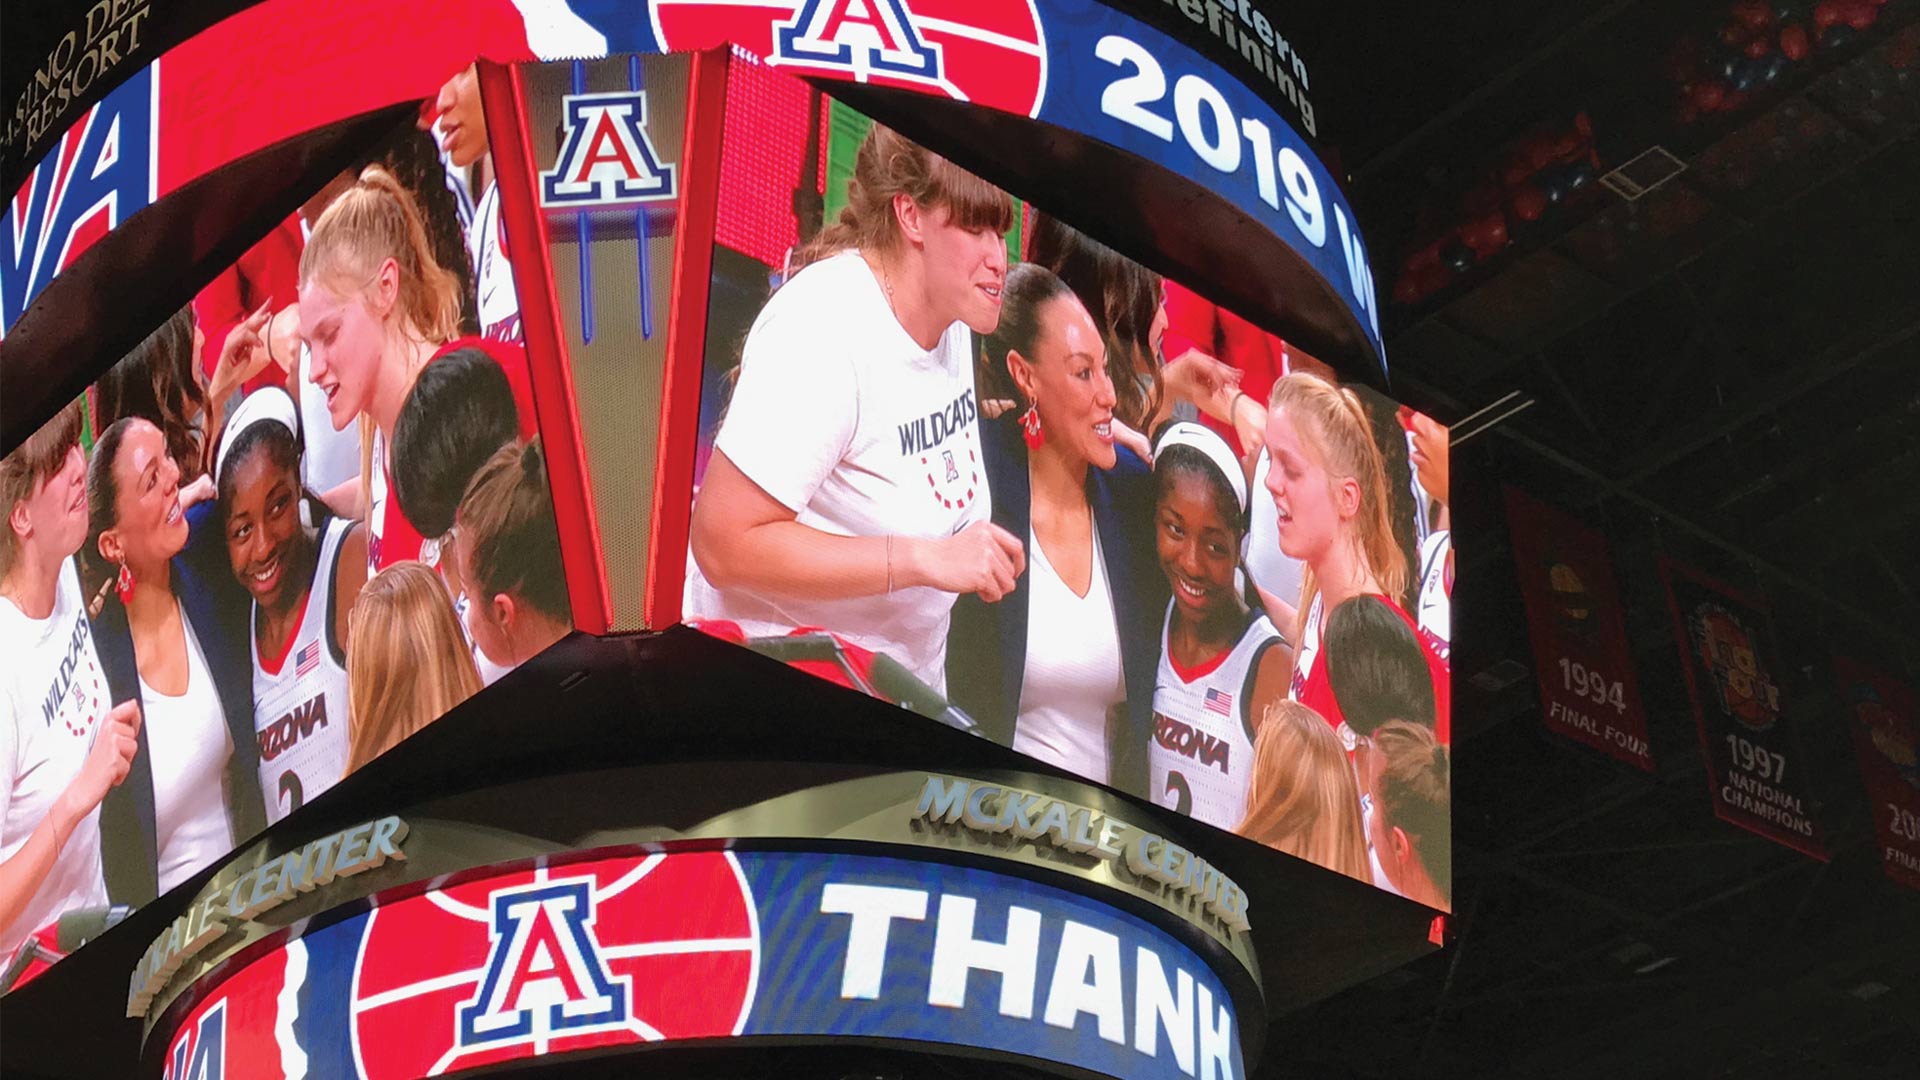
point(1208, 442)
point(267, 403)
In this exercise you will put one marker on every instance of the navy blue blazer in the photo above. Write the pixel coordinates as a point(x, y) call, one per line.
point(217, 608)
point(987, 646)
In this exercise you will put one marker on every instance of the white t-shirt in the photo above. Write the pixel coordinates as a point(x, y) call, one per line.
point(55, 697)
point(844, 419)
point(188, 746)
point(1073, 678)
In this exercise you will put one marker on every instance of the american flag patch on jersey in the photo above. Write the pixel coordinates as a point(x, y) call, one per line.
point(1219, 701)
point(306, 659)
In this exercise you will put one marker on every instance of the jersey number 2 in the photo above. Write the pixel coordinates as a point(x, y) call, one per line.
point(1179, 795)
point(290, 790)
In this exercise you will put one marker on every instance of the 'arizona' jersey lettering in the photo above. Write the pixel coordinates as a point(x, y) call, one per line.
point(1200, 760)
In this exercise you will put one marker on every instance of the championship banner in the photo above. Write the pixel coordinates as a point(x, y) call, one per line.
point(1578, 628)
point(507, 965)
point(1886, 737)
point(1754, 765)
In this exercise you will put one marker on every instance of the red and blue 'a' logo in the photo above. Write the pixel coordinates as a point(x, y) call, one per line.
point(860, 35)
point(988, 52)
point(606, 158)
point(551, 960)
point(100, 173)
point(546, 973)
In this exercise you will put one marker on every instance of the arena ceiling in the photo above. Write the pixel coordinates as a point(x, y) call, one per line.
point(1727, 371)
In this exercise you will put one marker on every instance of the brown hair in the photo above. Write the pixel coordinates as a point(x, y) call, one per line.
point(30, 466)
point(1414, 793)
point(407, 661)
point(1333, 422)
point(889, 164)
point(513, 542)
point(155, 381)
point(1123, 297)
point(1303, 798)
point(374, 220)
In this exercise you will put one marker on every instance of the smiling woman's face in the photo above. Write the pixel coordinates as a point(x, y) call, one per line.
point(150, 526)
point(57, 508)
point(266, 546)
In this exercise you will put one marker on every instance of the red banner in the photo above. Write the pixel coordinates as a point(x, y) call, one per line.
point(1886, 737)
point(1574, 618)
point(1754, 765)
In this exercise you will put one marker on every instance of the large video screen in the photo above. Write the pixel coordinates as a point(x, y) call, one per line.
point(306, 516)
point(962, 456)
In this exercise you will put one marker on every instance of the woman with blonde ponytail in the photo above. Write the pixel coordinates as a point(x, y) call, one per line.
point(1329, 488)
point(375, 306)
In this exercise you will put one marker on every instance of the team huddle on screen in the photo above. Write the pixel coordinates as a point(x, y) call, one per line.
point(1124, 531)
point(305, 517)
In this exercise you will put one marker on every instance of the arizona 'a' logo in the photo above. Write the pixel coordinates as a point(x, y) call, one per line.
point(606, 158)
point(546, 973)
point(505, 967)
point(988, 52)
point(861, 35)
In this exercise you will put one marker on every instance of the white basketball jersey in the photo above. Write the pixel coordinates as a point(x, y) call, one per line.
point(1434, 609)
point(300, 699)
point(1200, 760)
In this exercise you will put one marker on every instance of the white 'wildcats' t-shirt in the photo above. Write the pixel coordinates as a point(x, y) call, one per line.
point(53, 697)
point(844, 419)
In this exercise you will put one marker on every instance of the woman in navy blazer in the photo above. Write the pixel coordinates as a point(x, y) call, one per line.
point(1062, 667)
point(212, 607)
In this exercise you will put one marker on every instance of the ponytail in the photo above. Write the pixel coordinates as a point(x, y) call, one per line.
point(512, 538)
point(1333, 422)
point(375, 220)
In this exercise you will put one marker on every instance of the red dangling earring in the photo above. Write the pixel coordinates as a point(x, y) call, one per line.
point(123, 584)
point(1030, 429)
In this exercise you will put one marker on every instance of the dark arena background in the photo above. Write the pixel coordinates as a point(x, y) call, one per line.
point(911, 539)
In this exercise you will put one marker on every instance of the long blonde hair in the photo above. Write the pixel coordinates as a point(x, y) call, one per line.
point(1303, 798)
point(374, 220)
point(1332, 422)
point(407, 661)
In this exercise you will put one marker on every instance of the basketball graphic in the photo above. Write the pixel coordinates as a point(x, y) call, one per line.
point(1571, 601)
point(989, 52)
point(1726, 649)
point(554, 959)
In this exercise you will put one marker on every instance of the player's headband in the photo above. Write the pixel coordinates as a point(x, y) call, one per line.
point(1208, 442)
point(267, 404)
